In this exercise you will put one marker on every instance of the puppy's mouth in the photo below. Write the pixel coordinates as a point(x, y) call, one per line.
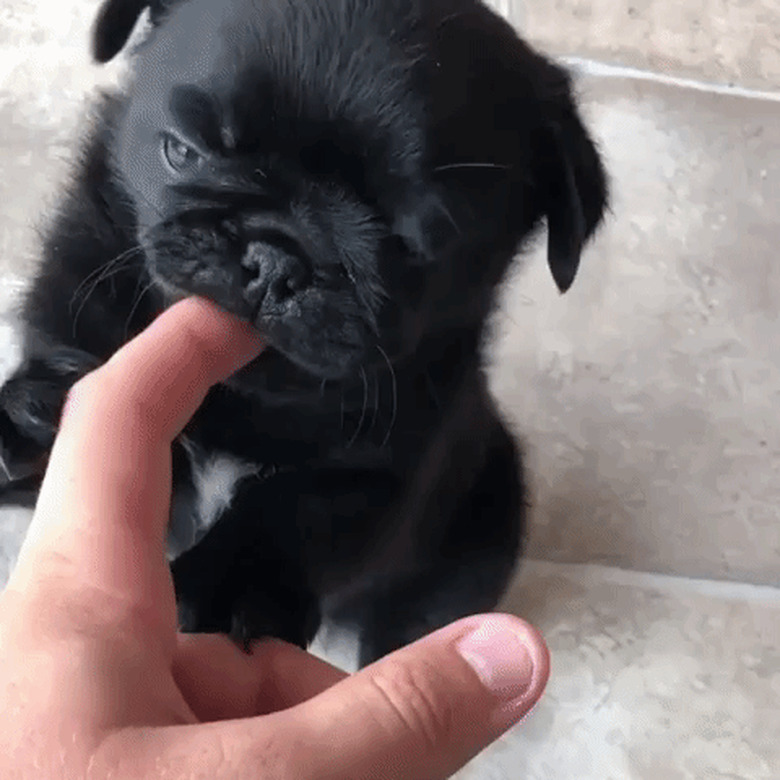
point(292, 347)
point(173, 293)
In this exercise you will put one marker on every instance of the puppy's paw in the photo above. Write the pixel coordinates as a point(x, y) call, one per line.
point(22, 461)
point(294, 619)
point(30, 407)
point(32, 399)
point(252, 615)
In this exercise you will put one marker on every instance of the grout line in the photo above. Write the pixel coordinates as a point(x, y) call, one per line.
point(594, 574)
point(595, 68)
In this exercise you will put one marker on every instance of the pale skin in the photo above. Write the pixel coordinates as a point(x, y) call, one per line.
point(95, 681)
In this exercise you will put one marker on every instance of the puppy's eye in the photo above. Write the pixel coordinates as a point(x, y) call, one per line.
point(179, 156)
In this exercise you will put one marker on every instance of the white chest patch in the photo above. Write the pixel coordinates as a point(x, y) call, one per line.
point(215, 478)
point(215, 481)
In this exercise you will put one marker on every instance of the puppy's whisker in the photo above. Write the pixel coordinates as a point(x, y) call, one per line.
point(106, 271)
point(138, 284)
point(121, 258)
point(395, 396)
point(137, 303)
point(96, 272)
point(364, 410)
point(376, 403)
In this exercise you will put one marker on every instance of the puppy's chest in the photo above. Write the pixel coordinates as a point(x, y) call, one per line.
point(215, 480)
point(206, 493)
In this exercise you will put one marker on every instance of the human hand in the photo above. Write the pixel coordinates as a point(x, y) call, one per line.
point(95, 682)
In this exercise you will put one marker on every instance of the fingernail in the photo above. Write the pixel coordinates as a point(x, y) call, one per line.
point(499, 659)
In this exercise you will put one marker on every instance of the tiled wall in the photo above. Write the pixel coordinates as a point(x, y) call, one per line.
point(649, 396)
point(724, 41)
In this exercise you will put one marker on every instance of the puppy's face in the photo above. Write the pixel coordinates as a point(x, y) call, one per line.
point(254, 187)
point(310, 167)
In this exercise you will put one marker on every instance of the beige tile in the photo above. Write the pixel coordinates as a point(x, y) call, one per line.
point(46, 79)
point(514, 10)
point(648, 396)
point(653, 678)
point(726, 41)
point(14, 522)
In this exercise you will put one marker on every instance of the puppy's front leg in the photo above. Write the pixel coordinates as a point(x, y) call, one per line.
point(30, 407)
point(246, 578)
point(468, 567)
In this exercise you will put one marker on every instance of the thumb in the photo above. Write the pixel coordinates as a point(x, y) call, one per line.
point(426, 710)
point(221, 682)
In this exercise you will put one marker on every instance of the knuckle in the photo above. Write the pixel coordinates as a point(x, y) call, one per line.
point(82, 388)
point(111, 391)
point(270, 755)
point(78, 396)
point(97, 384)
point(86, 392)
point(416, 698)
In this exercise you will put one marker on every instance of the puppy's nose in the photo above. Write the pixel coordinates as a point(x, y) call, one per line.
point(273, 276)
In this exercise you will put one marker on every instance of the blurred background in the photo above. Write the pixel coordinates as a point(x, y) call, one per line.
point(647, 398)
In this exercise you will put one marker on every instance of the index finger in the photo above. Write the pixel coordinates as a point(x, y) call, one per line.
point(103, 509)
point(165, 372)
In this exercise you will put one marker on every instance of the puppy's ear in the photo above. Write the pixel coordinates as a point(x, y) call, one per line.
point(116, 20)
point(498, 101)
point(572, 182)
point(113, 25)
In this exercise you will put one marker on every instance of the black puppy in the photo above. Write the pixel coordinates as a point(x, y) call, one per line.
point(353, 177)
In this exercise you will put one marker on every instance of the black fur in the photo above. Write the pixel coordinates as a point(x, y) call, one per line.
point(353, 177)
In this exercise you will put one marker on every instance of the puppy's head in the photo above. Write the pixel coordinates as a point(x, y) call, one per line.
point(348, 175)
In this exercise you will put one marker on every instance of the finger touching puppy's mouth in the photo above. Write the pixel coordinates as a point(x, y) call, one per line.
point(318, 338)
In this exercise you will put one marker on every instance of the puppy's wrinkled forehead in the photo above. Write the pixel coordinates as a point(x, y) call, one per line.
point(277, 72)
